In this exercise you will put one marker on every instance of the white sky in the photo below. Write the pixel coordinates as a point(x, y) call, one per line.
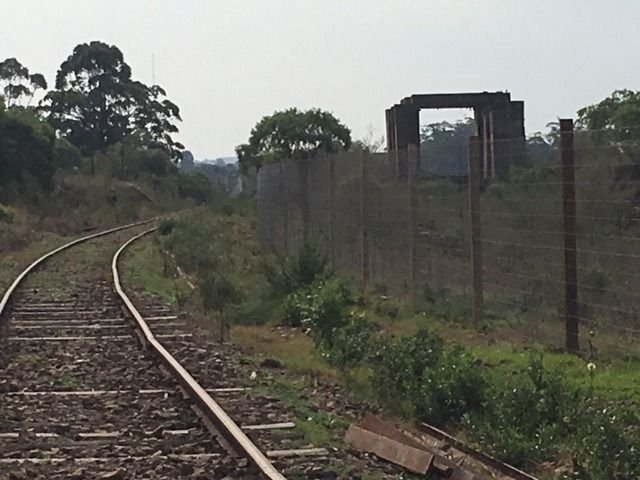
point(227, 63)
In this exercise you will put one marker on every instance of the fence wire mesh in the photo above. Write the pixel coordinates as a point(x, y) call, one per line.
point(387, 221)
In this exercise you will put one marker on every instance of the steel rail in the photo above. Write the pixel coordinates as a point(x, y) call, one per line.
point(7, 295)
point(225, 425)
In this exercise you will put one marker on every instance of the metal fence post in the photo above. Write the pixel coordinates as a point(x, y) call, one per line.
point(364, 233)
point(570, 245)
point(475, 157)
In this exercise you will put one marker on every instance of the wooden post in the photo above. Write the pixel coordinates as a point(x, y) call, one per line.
point(364, 233)
point(570, 246)
point(284, 206)
point(303, 178)
point(485, 146)
point(413, 155)
point(331, 162)
point(491, 146)
point(475, 159)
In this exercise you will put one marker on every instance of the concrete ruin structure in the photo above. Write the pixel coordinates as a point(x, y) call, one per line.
point(499, 122)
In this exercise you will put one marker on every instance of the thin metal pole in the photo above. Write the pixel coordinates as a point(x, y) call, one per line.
point(570, 245)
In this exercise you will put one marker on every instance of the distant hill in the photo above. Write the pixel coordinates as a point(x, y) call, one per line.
point(220, 161)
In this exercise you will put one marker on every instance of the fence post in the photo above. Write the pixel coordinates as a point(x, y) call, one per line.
point(331, 161)
point(303, 177)
point(413, 152)
point(570, 246)
point(475, 157)
point(284, 206)
point(364, 233)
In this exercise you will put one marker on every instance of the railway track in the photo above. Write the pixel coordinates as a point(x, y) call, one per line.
point(90, 387)
point(95, 384)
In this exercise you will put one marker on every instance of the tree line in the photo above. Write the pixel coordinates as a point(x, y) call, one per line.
point(299, 134)
point(95, 104)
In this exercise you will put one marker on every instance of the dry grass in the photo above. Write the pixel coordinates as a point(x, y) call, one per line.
point(291, 347)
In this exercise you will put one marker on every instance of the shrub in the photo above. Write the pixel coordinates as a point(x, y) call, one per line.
point(299, 271)
point(327, 311)
point(296, 308)
point(352, 343)
point(217, 291)
point(606, 445)
point(435, 384)
point(166, 227)
point(525, 416)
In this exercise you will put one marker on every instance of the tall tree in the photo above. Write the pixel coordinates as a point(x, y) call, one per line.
point(293, 134)
point(153, 120)
point(616, 118)
point(96, 104)
point(17, 84)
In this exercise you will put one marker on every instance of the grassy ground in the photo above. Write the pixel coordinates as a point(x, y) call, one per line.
point(15, 261)
point(616, 379)
point(144, 268)
point(504, 347)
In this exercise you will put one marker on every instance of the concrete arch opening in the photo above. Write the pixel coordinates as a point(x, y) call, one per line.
point(499, 121)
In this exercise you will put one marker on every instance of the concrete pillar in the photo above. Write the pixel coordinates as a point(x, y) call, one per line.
point(405, 122)
point(485, 143)
point(391, 129)
point(491, 145)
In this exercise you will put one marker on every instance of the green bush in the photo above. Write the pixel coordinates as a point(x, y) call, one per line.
point(606, 445)
point(217, 292)
point(422, 379)
point(297, 307)
point(327, 311)
point(525, 417)
point(352, 343)
point(166, 227)
point(298, 271)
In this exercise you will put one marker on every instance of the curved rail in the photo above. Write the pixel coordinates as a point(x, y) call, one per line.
point(226, 426)
point(7, 295)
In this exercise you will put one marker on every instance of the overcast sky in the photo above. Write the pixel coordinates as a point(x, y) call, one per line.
point(227, 63)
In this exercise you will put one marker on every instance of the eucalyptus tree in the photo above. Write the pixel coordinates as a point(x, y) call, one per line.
point(96, 103)
point(17, 84)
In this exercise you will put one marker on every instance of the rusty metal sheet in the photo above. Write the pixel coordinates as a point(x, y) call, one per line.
point(376, 425)
point(411, 458)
